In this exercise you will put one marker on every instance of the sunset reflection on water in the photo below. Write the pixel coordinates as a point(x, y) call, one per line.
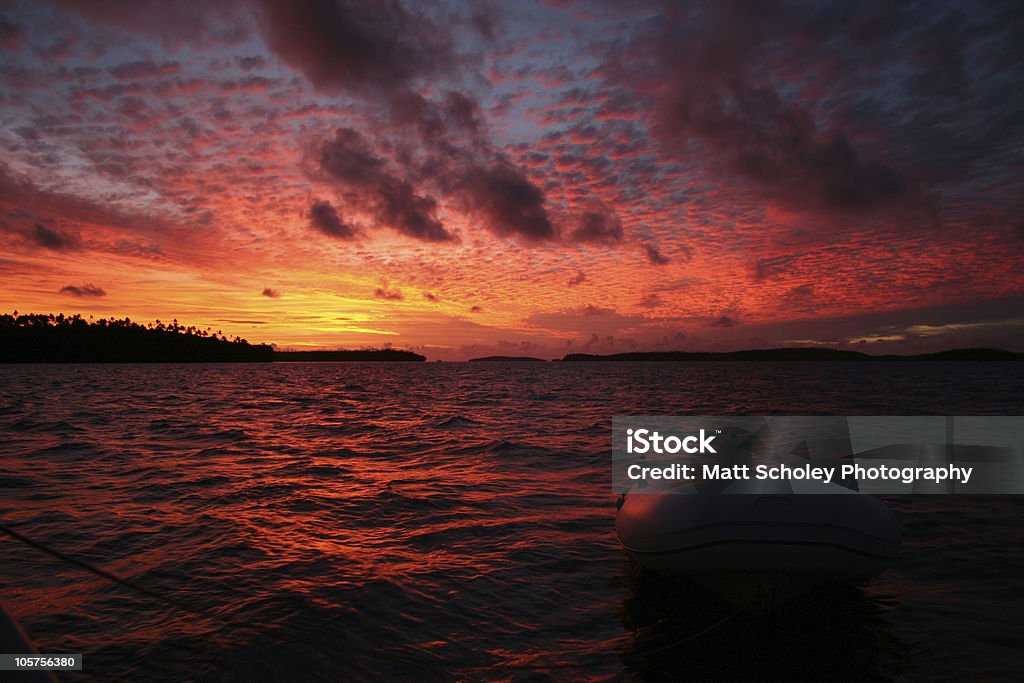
point(425, 520)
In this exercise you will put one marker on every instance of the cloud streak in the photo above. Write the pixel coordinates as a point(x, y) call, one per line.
point(654, 256)
point(89, 290)
point(388, 294)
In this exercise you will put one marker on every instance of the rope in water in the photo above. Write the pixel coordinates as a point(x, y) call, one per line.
point(380, 656)
point(93, 569)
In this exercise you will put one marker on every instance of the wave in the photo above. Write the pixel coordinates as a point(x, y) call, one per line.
point(455, 422)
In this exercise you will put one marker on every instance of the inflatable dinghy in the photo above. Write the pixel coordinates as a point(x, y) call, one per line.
point(760, 542)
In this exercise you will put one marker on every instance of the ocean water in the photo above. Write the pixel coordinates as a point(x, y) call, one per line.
point(445, 521)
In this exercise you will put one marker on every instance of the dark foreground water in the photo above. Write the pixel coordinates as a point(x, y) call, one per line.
point(454, 521)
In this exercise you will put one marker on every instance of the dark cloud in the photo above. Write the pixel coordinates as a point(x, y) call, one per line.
point(388, 294)
point(349, 159)
point(251, 62)
point(683, 253)
point(463, 112)
point(591, 310)
point(409, 213)
point(442, 147)
point(767, 267)
point(437, 122)
point(53, 239)
point(271, 293)
point(674, 341)
point(650, 301)
point(83, 290)
point(802, 299)
point(476, 309)
point(142, 70)
point(445, 143)
point(655, 256)
point(408, 108)
point(598, 227)
point(485, 24)
point(577, 279)
point(724, 320)
point(779, 145)
point(356, 45)
point(128, 247)
point(324, 217)
point(508, 202)
point(10, 35)
point(423, 149)
point(714, 68)
point(431, 297)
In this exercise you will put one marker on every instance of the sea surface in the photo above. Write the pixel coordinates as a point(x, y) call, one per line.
point(440, 521)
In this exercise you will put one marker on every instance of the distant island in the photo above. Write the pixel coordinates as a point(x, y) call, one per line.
point(39, 338)
point(341, 355)
point(797, 354)
point(507, 359)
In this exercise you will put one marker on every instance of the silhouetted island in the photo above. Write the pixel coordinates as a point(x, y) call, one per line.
point(49, 338)
point(37, 338)
point(340, 355)
point(798, 354)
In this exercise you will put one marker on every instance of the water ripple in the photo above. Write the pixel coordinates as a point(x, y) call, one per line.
point(440, 521)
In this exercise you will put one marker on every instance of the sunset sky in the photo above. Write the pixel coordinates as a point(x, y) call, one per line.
point(520, 178)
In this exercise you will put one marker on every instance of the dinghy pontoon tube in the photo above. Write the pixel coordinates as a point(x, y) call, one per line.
point(746, 546)
point(759, 541)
